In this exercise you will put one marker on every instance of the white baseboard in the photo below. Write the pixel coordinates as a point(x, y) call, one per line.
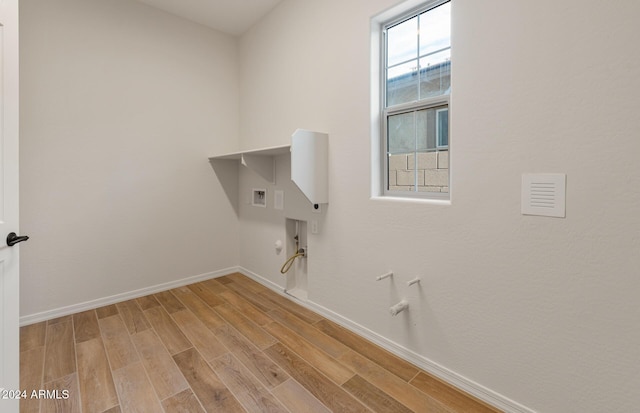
point(476, 390)
point(267, 283)
point(100, 302)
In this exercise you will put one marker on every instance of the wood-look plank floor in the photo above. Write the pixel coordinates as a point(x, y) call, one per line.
point(223, 345)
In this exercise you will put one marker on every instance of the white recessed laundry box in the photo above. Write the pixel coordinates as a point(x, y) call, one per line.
point(309, 164)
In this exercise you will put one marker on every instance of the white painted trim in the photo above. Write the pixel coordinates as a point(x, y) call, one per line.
point(476, 390)
point(275, 287)
point(100, 302)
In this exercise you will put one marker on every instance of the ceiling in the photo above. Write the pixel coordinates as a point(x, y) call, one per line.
point(229, 16)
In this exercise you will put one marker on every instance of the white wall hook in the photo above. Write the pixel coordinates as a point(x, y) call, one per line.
point(383, 276)
point(414, 281)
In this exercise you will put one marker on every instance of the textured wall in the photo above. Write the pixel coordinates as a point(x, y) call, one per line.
point(120, 106)
point(540, 310)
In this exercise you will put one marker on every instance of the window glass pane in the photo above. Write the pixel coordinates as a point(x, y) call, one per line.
point(434, 166)
point(443, 128)
point(435, 29)
point(426, 130)
point(435, 74)
point(432, 128)
point(402, 42)
point(402, 83)
point(401, 133)
point(440, 60)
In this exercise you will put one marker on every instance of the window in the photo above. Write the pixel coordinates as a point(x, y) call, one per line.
point(442, 128)
point(416, 71)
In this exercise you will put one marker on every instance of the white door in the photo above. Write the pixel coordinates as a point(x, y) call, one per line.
point(9, 277)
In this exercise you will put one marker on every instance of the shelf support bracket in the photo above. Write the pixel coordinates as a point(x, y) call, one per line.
point(265, 166)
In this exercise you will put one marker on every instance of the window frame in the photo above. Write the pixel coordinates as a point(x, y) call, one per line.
point(407, 107)
point(439, 145)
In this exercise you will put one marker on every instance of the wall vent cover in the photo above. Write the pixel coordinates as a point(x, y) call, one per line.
point(544, 194)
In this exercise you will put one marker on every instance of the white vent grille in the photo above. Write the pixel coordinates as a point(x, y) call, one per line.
point(544, 194)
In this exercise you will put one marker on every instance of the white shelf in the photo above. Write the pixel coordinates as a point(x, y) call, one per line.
point(309, 165)
point(262, 161)
point(270, 151)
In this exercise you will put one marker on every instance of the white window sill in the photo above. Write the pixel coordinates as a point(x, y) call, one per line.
point(398, 199)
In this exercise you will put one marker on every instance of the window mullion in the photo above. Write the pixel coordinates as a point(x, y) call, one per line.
point(435, 52)
point(417, 105)
point(418, 56)
point(415, 113)
point(415, 150)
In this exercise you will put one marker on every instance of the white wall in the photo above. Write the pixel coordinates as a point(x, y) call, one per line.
point(121, 104)
point(542, 311)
